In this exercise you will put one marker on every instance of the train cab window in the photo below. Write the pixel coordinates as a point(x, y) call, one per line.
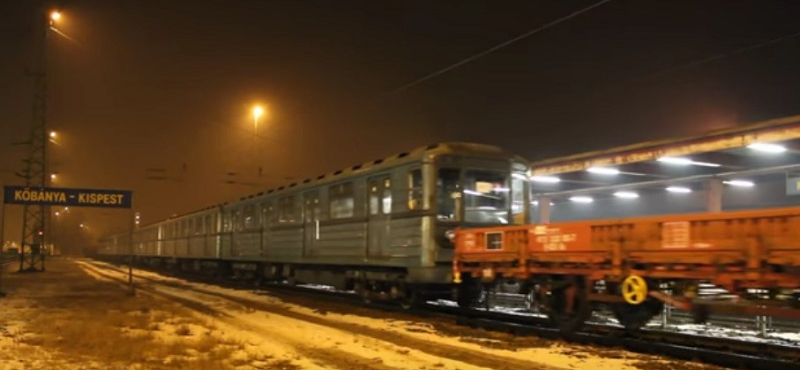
point(486, 196)
point(250, 217)
point(519, 187)
point(414, 189)
point(341, 199)
point(289, 210)
point(448, 194)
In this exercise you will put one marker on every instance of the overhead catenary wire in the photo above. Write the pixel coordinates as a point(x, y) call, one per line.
point(724, 55)
point(497, 47)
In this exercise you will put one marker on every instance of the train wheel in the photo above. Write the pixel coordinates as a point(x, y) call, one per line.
point(469, 294)
point(537, 297)
point(633, 317)
point(567, 304)
point(362, 288)
point(410, 299)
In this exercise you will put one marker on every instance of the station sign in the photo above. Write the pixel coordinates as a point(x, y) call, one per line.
point(68, 197)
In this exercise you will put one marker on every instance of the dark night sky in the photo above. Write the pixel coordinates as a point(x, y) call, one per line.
point(169, 84)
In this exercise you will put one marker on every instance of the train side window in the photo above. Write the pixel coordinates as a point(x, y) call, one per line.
point(289, 210)
point(268, 215)
point(387, 196)
point(238, 220)
point(209, 225)
point(198, 225)
point(341, 200)
point(448, 194)
point(415, 189)
point(226, 222)
point(374, 202)
point(250, 217)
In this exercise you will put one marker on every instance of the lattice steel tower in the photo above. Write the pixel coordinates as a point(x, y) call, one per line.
point(34, 217)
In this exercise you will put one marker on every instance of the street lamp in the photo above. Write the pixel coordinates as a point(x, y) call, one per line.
point(257, 112)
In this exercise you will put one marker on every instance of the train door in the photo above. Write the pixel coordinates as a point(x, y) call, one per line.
point(311, 216)
point(380, 209)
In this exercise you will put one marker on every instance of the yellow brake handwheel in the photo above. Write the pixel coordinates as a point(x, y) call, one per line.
point(634, 289)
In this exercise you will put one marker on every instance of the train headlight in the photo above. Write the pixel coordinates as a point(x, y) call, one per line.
point(450, 235)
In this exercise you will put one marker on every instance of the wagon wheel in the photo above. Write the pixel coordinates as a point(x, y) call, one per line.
point(639, 308)
point(567, 305)
point(633, 317)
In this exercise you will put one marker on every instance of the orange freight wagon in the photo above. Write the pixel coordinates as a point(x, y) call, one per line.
point(630, 264)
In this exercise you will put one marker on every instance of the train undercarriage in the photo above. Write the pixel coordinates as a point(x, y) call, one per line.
point(370, 283)
point(570, 300)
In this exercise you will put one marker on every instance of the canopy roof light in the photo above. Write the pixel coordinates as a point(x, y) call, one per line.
point(626, 194)
point(546, 179)
point(740, 183)
point(686, 161)
point(581, 199)
point(678, 189)
point(603, 170)
point(768, 148)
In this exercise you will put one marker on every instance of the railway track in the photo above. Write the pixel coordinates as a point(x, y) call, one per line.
point(726, 352)
point(718, 351)
point(675, 317)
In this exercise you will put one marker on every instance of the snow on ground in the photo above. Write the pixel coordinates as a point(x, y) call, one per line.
point(320, 330)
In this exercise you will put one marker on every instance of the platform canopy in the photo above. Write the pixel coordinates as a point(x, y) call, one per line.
point(743, 157)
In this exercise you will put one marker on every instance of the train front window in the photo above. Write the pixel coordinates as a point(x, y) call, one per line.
point(486, 197)
point(473, 196)
point(449, 193)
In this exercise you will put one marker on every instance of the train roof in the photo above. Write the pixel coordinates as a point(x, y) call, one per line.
point(432, 151)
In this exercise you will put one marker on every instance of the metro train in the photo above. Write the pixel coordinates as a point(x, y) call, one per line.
point(384, 228)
